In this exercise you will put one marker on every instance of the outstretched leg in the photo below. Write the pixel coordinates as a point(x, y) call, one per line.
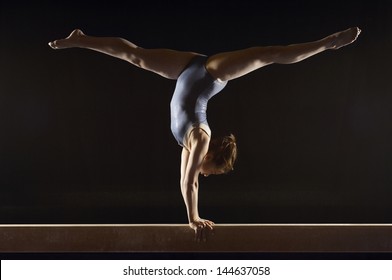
point(165, 62)
point(231, 65)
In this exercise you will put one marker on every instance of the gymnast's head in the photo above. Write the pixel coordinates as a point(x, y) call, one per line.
point(221, 156)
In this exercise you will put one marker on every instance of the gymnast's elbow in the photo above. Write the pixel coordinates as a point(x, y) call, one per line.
point(189, 186)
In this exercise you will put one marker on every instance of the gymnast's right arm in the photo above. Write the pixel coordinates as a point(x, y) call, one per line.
point(190, 185)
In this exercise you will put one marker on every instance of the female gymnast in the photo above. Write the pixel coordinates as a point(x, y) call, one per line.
point(199, 78)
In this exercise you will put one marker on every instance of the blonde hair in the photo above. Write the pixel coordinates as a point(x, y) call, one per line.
point(223, 152)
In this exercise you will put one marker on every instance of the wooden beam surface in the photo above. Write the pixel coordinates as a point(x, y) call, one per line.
point(180, 238)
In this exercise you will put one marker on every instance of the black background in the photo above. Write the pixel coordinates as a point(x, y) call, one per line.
point(85, 138)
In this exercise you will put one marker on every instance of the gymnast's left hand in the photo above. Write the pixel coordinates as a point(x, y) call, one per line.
point(203, 228)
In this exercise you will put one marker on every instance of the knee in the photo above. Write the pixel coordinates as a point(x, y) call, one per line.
point(134, 57)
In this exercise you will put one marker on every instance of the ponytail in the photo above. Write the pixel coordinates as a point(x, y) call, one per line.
point(224, 152)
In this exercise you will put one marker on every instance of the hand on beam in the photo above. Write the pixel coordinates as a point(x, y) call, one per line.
point(203, 228)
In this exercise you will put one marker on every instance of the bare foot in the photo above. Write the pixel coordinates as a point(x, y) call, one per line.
point(343, 38)
point(69, 42)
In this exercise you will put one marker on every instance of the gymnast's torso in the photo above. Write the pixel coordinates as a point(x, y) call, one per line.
point(188, 107)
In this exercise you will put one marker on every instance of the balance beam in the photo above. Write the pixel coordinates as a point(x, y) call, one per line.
point(180, 238)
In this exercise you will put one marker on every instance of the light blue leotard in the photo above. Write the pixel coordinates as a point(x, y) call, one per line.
point(188, 107)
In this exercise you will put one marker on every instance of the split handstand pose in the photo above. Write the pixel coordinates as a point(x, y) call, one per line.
point(199, 78)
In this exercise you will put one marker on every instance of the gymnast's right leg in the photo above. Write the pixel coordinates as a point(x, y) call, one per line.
point(165, 62)
point(232, 65)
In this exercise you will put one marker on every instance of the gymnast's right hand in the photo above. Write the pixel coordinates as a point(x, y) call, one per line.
point(203, 228)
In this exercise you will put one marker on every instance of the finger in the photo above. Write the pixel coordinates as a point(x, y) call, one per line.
point(204, 235)
point(211, 231)
point(209, 224)
point(196, 234)
point(199, 233)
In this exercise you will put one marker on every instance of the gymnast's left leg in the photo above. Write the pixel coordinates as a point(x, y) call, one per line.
point(164, 62)
point(231, 65)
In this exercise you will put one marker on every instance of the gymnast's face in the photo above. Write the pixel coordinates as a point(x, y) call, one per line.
point(208, 167)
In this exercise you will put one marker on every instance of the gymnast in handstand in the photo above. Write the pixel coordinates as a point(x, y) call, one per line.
point(199, 78)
